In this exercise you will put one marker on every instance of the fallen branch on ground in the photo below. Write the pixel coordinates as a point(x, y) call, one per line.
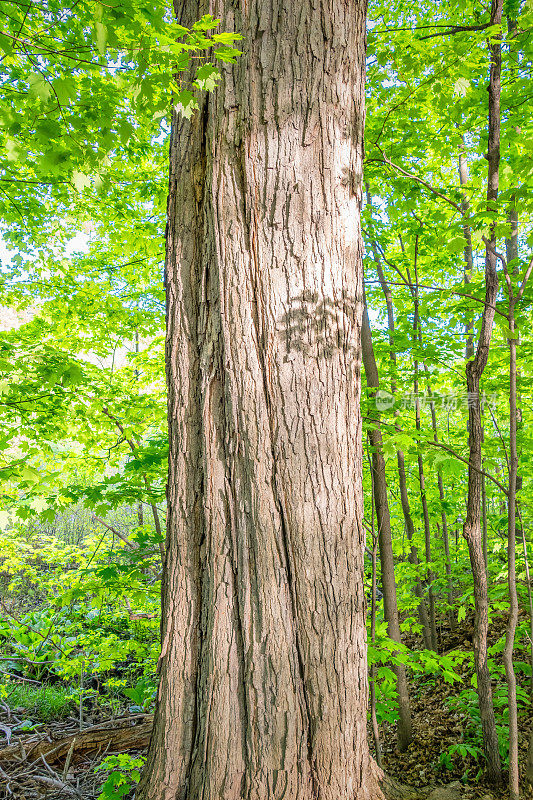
point(117, 736)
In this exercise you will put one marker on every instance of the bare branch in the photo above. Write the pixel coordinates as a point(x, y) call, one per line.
point(428, 186)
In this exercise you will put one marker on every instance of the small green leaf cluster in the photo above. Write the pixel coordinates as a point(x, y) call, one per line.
point(124, 773)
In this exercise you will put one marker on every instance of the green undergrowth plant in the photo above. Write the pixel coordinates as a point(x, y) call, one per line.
point(40, 703)
point(95, 626)
point(466, 705)
point(470, 757)
point(142, 695)
point(428, 666)
point(124, 772)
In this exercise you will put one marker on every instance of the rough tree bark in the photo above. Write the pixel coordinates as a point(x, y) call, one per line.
point(263, 690)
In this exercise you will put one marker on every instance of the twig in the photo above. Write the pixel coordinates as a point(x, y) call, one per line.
point(526, 278)
point(68, 760)
point(33, 630)
point(428, 186)
point(498, 431)
point(81, 696)
point(121, 536)
point(55, 784)
point(446, 289)
point(133, 449)
point(456, 29)
point(20, 678)
point(49, 768)
point(27, 660)
point(466, 461)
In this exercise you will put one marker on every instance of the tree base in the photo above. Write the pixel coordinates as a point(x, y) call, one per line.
point(390, 789)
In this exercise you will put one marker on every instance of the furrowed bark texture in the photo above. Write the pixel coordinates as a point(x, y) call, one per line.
point(263, 689)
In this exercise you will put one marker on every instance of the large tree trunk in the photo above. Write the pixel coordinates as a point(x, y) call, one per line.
point(263, 690)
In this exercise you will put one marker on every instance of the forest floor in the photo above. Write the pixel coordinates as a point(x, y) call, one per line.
point(439, 725)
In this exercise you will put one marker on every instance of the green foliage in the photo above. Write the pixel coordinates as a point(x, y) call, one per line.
point(40, 703)
point(83, 623)
point(124, 774)
point(466, 703)
point(463, 751)
point(142, 694)
point(87, 97)
point(384, 653)
point(86, 86)
point(427, 108)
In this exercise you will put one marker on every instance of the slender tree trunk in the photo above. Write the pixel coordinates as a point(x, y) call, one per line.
point(413, 550)
point(380, 495)
point(484, 519)
point(513, 298)
point(421, 475)
point(468, 251)
point(444, 517)
point(264, 691)
point(511, 254)
point(140, 514)
point(529, 765)
point(427, 538)
point(474, 371)
point(511, 559)
point(373, 609)
point(473, 535)
point(511, 244)
point(402, 477)
point(529, 595)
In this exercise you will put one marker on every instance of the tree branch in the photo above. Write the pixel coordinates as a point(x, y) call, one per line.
point(467, 462)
